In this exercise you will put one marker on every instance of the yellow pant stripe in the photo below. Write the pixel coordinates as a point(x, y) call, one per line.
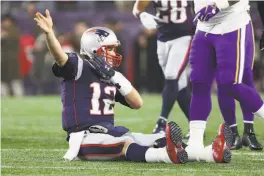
point(254, 49)
point(238, 55)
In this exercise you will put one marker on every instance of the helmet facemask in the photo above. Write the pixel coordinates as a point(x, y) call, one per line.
point(112, 60)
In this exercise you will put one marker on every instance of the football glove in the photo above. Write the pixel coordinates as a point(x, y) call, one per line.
point(99, 64)
point(206, 13)
point(148, 20)
point(261, 44)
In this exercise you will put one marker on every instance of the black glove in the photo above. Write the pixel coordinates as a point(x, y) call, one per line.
point(101, 67)
point(261, 44)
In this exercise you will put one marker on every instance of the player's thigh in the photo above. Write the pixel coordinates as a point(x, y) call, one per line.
point(96, 146)
point(177, 57)
point(234, 56)
point(202, 59)
point(183, 80)
point(162, 52)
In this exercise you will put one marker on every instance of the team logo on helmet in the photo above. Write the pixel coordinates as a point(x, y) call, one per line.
point(102, 34)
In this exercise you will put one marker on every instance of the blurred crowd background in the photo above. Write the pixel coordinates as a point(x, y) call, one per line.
point(26, 63)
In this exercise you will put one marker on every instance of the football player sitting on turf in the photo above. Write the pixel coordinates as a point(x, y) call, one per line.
point(89, 89)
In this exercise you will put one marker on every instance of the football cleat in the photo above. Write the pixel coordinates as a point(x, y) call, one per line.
point(250, 140)
point(174, 147)
point(160, 126)
point(237, 142)
point(222, 144)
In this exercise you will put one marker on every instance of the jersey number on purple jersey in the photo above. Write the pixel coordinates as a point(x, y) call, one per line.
point(169, 11)
point(108, 104)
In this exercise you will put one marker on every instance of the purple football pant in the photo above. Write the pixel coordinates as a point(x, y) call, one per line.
point(227, 103)
point(229, 59)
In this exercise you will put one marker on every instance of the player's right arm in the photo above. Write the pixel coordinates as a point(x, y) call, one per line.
point(140, 7)
point(127, 95)
point(148, 20)
point(46, 24)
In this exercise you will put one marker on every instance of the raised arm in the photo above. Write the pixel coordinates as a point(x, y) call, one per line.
point(45, 24)
point(140, 7)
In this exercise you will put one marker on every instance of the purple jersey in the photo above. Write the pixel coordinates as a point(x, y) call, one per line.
point(174, 19)
point(86, 100)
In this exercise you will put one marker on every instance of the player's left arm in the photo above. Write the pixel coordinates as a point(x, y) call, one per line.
point(127, 91)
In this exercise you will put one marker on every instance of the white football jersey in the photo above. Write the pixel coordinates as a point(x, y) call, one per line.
point(227, 20)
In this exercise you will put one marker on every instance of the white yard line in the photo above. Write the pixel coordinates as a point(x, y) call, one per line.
point(248, 153)
point(39, 150)
point(35, 137)
point(123, 169)
point(258, 159)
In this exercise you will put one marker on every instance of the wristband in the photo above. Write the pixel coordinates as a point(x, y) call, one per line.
point(121, 83)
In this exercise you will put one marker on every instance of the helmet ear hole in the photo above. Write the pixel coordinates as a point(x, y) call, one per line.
point(94, 51)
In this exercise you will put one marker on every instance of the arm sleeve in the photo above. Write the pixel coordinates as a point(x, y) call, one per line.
point(121, 99)
point(72, 68)
point(261, 10)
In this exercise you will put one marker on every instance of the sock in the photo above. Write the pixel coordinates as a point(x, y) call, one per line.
point(197, 129)
point(248, 127)
point(234, 129)
point(136, 153)
point(227, 106)
point(169, 96)
point(201, 104)
point(157, 155)
point(184, 100)
point(260, 112)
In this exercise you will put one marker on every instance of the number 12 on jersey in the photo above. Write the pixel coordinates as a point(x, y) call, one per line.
point(171, 11)
point(96, 109)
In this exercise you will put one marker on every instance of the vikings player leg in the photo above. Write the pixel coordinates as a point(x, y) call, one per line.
point(227, 105)
point(174, 36)
point(228, 40)
point(89, 89)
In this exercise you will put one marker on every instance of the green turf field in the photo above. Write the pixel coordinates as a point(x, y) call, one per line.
point(33, 142)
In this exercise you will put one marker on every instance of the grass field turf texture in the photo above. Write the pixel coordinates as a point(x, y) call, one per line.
point(33, 142)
